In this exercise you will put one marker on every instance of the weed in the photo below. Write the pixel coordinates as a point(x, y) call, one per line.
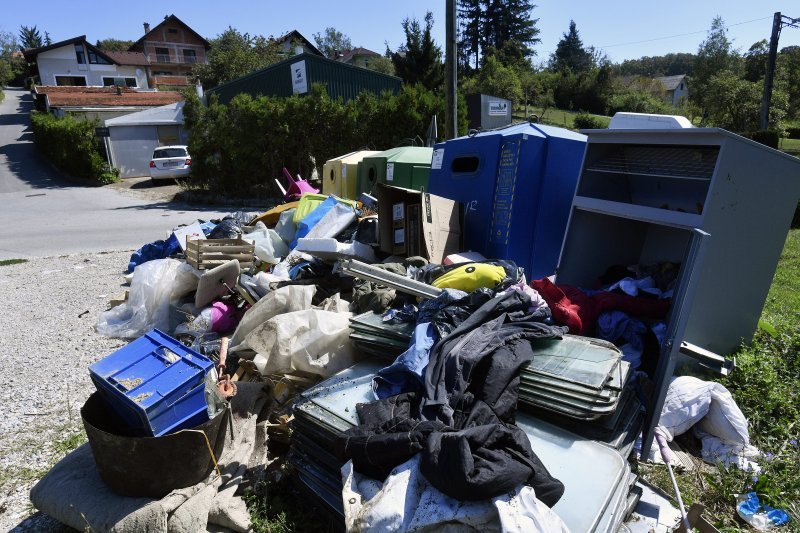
point(6, 262)
point(66, 445)
point(275, 507)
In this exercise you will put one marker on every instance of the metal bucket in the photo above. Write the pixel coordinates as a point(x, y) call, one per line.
point(150, 466)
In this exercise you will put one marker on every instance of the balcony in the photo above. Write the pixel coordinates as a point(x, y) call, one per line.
point(166, 59)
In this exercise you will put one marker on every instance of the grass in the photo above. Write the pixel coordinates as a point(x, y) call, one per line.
point(553, 116)
point(6, 262)
point(765, 385)
point(276, 507)
point(789, 145)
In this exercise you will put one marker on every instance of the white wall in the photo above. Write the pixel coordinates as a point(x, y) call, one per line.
point(63, 62)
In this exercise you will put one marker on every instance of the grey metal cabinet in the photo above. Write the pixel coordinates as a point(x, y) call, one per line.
point(718, 204)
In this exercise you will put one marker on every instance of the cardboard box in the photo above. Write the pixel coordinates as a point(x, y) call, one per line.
point(411, 221)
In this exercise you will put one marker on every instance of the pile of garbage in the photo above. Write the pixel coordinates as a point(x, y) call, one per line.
point(413, 383)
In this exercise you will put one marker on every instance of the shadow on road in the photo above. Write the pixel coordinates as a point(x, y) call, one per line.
point(174, 206)
point(22, 160)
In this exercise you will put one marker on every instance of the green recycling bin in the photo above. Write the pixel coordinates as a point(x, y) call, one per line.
point(405, 166)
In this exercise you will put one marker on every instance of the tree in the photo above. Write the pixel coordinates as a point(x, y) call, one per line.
point(332, 42)
point(381, 64)
point(114, 45)
point(47, 40)
point(12, 66)
point(666, 65)
point(234, 54)
point(735, 103)
point(29, 37)
point(714, 55)
point(755, 61)
point(788, 77)
point(570, 54)
point(496, 79)
point(487, 25)
point(419, 59)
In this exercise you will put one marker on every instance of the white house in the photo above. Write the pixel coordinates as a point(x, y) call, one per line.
point(75, 62)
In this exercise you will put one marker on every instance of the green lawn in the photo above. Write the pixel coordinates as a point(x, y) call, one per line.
point(789, 145)
point(552, 116)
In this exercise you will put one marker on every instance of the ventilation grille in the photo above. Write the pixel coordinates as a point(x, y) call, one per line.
point(681, 161)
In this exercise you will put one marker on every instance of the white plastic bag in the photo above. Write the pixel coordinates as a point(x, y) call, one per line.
point(155, 285)
point(283, 300)
point(269, 247)
point(709, 408)
point(312, 341)
point(286, 227)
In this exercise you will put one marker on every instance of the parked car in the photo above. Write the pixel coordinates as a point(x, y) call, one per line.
point(170, 162)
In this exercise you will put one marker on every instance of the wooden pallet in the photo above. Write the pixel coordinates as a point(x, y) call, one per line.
point(205, 254)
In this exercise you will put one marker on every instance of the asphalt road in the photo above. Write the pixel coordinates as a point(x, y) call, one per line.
point(44, 214)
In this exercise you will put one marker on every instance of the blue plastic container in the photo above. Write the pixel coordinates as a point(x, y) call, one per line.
point(155, 383)
point(516, 185)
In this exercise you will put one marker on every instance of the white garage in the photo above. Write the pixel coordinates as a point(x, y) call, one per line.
point(132, 138)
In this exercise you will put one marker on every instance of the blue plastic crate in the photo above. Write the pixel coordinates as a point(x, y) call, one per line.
point(155, 383)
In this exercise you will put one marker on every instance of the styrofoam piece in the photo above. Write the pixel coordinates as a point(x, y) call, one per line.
point(331, 249)
point(463, 257)
point(648, 121)
point(192, 231)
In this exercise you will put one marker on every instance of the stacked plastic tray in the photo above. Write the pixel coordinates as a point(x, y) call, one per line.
point(597, 478)
point(155, 384)
point(374, 336)
point(579, 383)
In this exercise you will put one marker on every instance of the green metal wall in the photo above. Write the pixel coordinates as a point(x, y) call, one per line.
point(342, 80)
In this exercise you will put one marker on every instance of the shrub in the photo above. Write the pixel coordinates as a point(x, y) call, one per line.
point(71, 145)
point(639, 102)
point(767, 137)
point(793, 132)
point(585, 121)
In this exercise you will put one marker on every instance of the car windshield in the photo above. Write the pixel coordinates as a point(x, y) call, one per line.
point(169, 152)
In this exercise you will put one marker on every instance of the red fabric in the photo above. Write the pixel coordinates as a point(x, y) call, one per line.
point(578, 311)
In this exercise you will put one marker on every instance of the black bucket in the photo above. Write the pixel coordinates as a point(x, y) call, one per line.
point(150, 466)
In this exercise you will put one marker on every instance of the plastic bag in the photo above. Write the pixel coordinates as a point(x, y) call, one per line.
point(283, 300)
point(155, 285)
point(312, 341)
point(760, 516)
point(269, 247)
point(286, 226)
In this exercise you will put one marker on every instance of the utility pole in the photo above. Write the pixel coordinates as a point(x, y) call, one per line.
point(778, 22)
point(451, 73)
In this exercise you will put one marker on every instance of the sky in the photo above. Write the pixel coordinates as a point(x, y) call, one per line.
point(623, 29)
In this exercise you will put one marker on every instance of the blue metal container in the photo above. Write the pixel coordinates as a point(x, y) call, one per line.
point(516, 185)
point(155, 384)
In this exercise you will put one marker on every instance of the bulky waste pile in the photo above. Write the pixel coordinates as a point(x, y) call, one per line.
point(407, 391)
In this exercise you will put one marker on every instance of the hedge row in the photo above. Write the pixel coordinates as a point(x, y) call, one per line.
point(72, 146)
point(769, 138)
point(241, 147)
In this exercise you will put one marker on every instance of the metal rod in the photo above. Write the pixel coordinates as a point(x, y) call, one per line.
point(360, 270)
point(666, 455)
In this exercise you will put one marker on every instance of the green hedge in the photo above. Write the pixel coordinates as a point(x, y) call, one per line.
point(72, 146)
point(769, 138)
point(793, 132)
point(241, 147)
point(585, 121)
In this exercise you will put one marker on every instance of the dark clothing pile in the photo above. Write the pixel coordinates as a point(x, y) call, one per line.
point(462, 422)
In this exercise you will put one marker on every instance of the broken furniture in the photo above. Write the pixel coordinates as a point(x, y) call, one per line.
point(716, 203)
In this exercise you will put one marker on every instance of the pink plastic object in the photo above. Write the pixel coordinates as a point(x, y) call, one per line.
point(297, 187)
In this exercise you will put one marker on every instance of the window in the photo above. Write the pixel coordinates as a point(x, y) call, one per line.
point(71, 81)
point(172, 30)
point(79, 55)
point(162, 55)
point(161, 153)
point(122, 81)
point(95, 59)
point(162, 73)
point(681, 86)
point(189, 56)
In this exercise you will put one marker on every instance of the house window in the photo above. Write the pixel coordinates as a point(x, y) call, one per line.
point(162, 55)
point(681, 86)
point(172, 30)
point(122, 81)
point(95, 59)
point(189, 56)
point(79, 54)
point(162, 73)
point(71, 81)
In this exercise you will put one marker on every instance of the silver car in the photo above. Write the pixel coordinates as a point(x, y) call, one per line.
point(170, 162)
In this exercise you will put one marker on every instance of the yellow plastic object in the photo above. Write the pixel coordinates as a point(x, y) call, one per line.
point(309, 201)
point(270, 218)
point(470, 277)
point(340, 174)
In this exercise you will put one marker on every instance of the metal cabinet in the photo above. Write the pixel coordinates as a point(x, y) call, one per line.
point(717, 203)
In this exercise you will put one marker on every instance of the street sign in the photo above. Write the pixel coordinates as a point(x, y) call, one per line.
point(101, 132)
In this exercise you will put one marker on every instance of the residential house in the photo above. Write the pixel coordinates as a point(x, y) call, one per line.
point(294, 43)
point(172, 48)
point(676, 87)
point(360, 57)
point(99, 102)
point(76, 62)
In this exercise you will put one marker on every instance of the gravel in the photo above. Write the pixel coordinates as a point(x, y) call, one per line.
point(47, 341)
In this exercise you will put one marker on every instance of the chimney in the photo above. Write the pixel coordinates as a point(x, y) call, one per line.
point(146, 28)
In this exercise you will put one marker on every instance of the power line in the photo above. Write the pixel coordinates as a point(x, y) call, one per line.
point(682, 34)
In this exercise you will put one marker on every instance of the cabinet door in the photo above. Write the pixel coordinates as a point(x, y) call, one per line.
point(682, 302)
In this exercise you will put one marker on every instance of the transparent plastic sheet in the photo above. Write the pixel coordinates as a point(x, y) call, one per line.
point(156, 284)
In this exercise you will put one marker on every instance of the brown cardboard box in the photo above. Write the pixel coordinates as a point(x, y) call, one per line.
point(438, 233)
